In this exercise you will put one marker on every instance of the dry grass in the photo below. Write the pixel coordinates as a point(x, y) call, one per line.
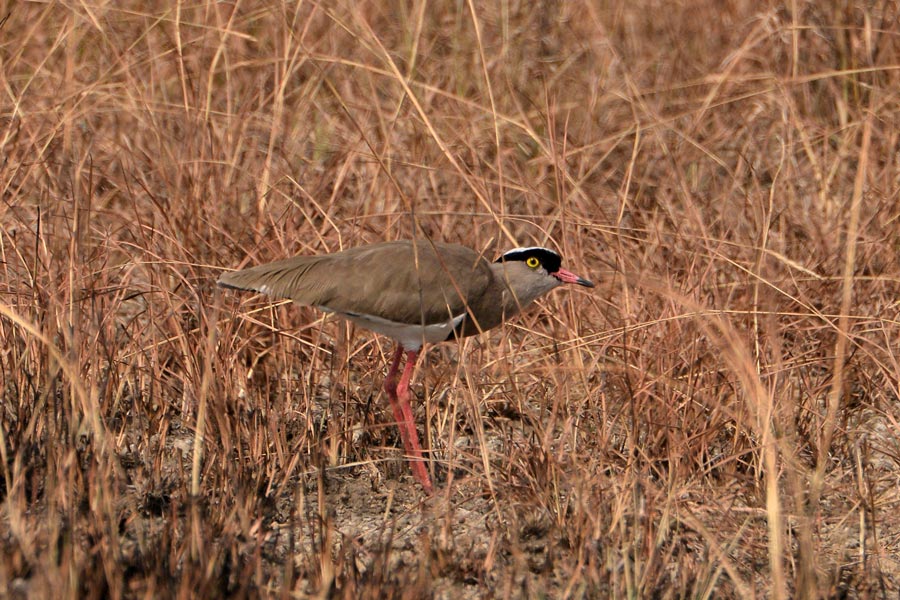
point(719, 419)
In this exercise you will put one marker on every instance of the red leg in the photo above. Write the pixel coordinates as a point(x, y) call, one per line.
point(390, 387)
point(390, 382)
point(399, 397)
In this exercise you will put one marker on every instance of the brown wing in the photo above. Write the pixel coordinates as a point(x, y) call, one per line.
point(288, 278)
point(388, 280)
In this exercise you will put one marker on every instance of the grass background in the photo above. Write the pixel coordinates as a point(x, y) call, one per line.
point(718, 419)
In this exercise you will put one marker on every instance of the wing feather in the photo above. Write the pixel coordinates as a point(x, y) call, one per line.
point(390, 280)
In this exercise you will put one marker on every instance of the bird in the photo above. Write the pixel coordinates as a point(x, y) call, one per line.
point(414, 292)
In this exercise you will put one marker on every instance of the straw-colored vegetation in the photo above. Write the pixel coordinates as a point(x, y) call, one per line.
point(718, 418)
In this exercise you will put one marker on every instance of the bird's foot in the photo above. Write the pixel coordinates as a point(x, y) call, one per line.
point(421, 474)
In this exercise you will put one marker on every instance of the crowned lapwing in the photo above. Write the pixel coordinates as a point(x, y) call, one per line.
point(413, 293)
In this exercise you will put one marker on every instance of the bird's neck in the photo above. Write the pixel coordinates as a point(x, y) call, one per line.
point(515, 293)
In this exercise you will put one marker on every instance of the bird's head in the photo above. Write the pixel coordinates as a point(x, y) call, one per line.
point(534, 271)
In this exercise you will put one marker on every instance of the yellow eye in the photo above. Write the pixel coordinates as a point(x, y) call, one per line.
point(532, 262)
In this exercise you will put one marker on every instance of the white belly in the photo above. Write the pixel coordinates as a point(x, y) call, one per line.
point(409, 336)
